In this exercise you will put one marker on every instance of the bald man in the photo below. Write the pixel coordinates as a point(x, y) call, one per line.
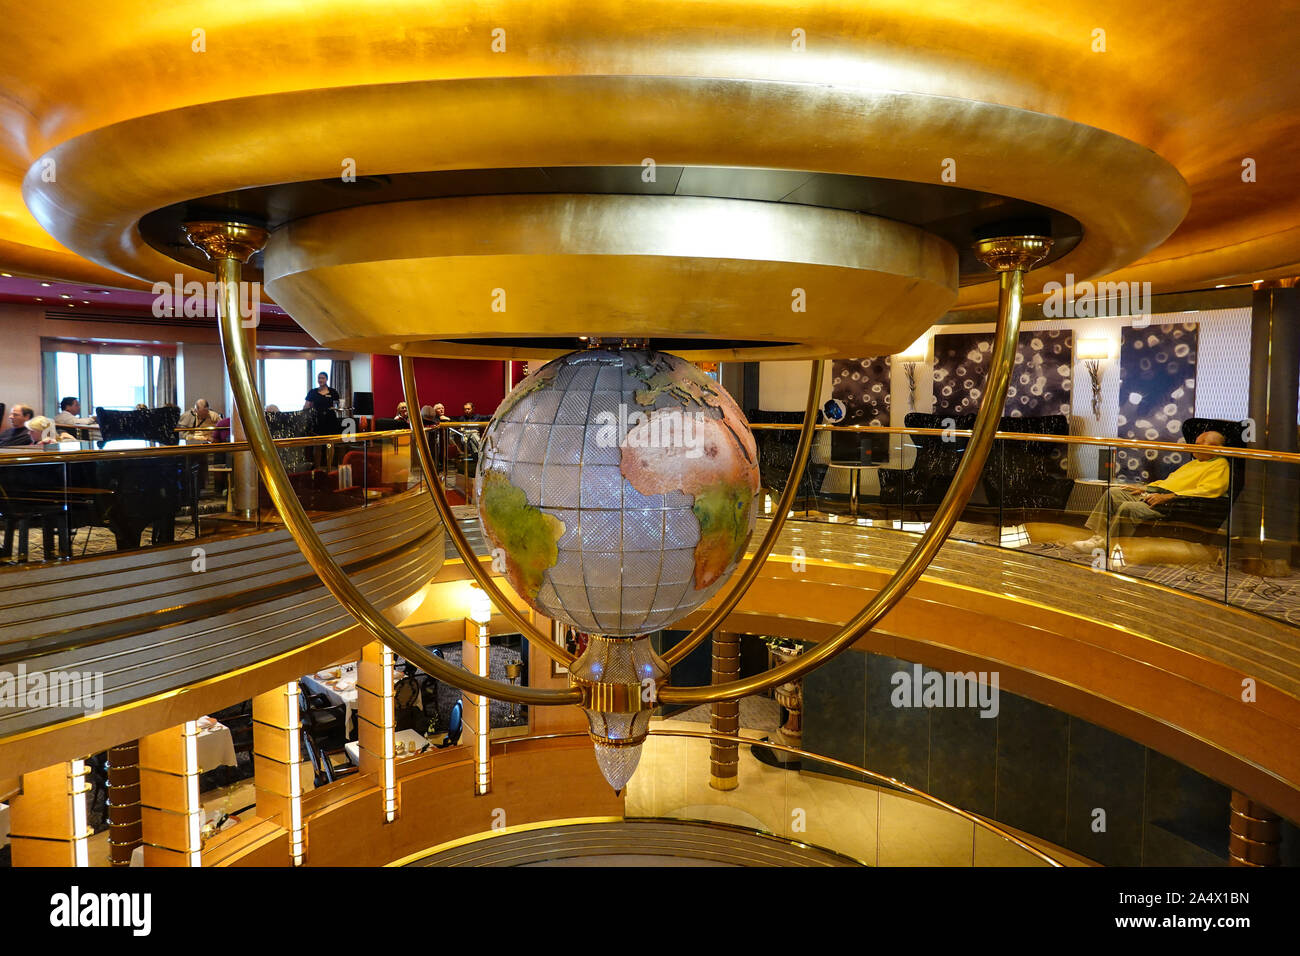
point(1205, 476)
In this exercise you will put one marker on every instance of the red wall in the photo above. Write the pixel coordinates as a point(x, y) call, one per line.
point(450, 381)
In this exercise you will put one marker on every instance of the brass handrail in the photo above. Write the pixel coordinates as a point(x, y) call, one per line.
point(1261, 454)
point(505, 744)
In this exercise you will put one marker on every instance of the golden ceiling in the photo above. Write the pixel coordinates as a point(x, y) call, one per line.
point(1203, 86)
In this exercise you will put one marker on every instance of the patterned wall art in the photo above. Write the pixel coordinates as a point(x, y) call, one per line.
point(1040, 382)
point(1157, 393)
point(863, 386)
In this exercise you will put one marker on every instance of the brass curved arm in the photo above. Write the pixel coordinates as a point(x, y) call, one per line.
point(235, 347)
point(434, 483)
point(1011, 288)
point(751, 572)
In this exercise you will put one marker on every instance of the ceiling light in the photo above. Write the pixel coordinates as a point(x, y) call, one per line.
point(7, 275)
point(45, 284)
point(64, 295)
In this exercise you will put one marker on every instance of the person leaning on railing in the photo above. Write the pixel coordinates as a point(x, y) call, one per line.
point(1205, 476)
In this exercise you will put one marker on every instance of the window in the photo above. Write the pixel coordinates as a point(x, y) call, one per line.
point(286, 383)
point(67, 376)
point(120, 381)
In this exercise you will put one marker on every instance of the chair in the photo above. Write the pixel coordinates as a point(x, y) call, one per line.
point(148, 424)
point(927, 481)
point(323, 736)
point(776, 450)
point(455, 724)
point(429, 687)
point(1029, 475)
point(407, 712)
point(1202, 519)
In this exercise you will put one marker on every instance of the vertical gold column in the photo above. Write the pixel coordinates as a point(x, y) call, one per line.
point(123, 802)
point(243, 467)
point(724, 757)
point(376, 721)
point(1254, 833)
point(277, 763)
point(477, 719)
point(48, 824)
point(171, 816)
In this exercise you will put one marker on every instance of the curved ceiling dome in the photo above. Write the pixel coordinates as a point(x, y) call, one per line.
point(158, 106)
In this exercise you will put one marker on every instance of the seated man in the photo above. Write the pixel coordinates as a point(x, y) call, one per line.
point(1206, 476)
point(203, 420)
point(17, 433)
point(70, 413)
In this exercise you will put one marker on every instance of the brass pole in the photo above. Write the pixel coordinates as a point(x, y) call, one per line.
point(231, 245)
point(433, 482)
point(738, 590)
point(1010, 257)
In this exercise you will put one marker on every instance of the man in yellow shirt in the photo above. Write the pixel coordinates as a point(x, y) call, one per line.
point(1127, 506)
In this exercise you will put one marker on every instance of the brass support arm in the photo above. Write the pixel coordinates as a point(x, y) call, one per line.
point(230, 245)
point(1010, 257)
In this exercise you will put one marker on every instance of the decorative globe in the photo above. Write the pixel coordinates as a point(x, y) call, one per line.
point(621, 487)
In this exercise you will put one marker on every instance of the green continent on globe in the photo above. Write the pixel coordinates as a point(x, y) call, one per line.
point(722, 510)
point(686, 383)
point(528, 535)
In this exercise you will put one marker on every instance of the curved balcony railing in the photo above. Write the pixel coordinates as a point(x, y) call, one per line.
point(1232, 538)
point(783, 792)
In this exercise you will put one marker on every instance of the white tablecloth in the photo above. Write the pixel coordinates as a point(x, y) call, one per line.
point(411, 738)
point(341, 690)
point(216, 748)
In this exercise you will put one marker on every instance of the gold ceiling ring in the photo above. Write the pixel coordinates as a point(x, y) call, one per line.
point(1126, 198)
point(1010, 257)
point(433, 481)
point(759, 558)
point(522, 276)
point(229, 257)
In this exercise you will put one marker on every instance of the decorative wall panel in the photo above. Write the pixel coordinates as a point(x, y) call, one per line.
point(1157, 393)
point(1040, 382)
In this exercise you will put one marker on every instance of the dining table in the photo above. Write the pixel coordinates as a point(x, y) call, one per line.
point(215, 745)
point(338, 685)
point(411, 743)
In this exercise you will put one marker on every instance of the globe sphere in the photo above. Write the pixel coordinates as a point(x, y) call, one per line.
point(620, 486)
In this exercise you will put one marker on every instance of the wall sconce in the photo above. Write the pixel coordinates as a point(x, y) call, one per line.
point(912, 356)
point(1093, 352)
point(480, 605)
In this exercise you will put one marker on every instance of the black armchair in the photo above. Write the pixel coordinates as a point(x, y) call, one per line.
point(1029, 475)
point(143, 424)
point(927, 481)
point(1202, 519)
point(776, 450)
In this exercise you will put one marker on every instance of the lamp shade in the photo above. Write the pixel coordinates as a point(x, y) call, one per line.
point(1092, 349)
point(918, 351)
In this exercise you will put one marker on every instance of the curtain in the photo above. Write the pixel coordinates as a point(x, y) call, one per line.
point(164, 389)
point(341, 379)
